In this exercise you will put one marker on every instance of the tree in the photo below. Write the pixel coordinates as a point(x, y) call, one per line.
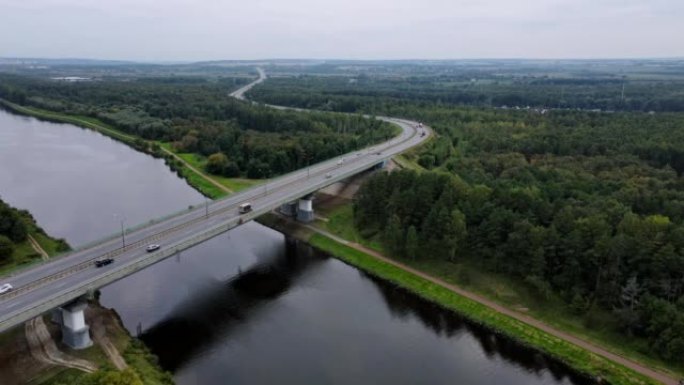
point(217, 163)
point(6, 247)
point(394, 237)
point(412, 247)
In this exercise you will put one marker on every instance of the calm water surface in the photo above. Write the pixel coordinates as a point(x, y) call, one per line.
point(249, 306)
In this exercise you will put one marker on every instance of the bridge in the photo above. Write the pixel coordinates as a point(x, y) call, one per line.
point(61, 284)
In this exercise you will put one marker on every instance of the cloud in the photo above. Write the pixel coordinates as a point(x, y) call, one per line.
point(219, 29)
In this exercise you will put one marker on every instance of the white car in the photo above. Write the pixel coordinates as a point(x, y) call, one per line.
point(152, 247)
point(6, 288)
point(328, 176)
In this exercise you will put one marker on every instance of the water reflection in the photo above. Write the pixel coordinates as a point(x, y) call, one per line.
point(403, 304)
point(203, 322)
point(211, 315)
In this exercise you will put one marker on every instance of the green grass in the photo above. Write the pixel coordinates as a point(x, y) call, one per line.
point(578, 358)
point(199, 162)
point(22, 256)
point(341, 222)
point(199, 182)
point(405, 162)
point(144, 363)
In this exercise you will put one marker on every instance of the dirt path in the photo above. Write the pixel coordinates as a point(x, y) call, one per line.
point(637, 367)
point(198, 172)
point(100, 336)
point(36, 246)
point(44, 349)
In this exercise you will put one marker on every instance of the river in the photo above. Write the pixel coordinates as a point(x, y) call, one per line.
point(249, 306)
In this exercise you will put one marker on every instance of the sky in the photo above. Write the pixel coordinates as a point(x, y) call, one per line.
point(194, 30)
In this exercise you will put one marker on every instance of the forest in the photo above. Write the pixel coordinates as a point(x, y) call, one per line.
point(584, 205)
point(196, 115)
point(13, 230)
point(374, 94)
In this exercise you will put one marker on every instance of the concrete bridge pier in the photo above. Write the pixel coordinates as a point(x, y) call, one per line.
point(305, 211)
point(289, 209)
point(75, 332)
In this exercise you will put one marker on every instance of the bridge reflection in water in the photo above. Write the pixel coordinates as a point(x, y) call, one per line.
point(202, 322)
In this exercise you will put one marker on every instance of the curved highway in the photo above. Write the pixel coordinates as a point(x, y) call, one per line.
point(51, 284)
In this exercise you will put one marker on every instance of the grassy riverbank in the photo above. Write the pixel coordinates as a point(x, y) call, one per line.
point(508, 292)
point(188, 166)
point(24, 253)
point(576, 357)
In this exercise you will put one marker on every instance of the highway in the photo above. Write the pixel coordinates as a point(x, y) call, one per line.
point(45, 286)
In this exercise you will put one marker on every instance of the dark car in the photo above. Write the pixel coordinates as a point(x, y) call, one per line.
point(103, 262)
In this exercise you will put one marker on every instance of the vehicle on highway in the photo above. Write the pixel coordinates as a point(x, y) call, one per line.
point(104, 262)
point(422, 134)
point(339, 162)
point(245, 208)
point(152, 247)
point(6, 288)
point(328, 176)
point(378, 153)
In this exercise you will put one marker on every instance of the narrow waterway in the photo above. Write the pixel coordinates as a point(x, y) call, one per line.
point(249, 306)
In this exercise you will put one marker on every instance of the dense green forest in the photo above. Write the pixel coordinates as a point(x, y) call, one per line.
point(586, 205)
point(197, 115)
point(375, 94)
point(13, 230)
point(583, 205)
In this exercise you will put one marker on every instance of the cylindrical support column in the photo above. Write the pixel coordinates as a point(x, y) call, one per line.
point(75, 332)
point(305, 209)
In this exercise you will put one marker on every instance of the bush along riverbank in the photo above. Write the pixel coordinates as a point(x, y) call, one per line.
point(581, 360)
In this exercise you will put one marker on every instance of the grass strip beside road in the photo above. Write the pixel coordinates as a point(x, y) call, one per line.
point(578, 358)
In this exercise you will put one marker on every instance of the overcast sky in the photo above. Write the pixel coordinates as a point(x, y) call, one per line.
point(347, 29)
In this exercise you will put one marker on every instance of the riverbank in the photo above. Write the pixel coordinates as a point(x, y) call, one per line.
point(524, 329)
point(187, 166)
point(35, 248)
